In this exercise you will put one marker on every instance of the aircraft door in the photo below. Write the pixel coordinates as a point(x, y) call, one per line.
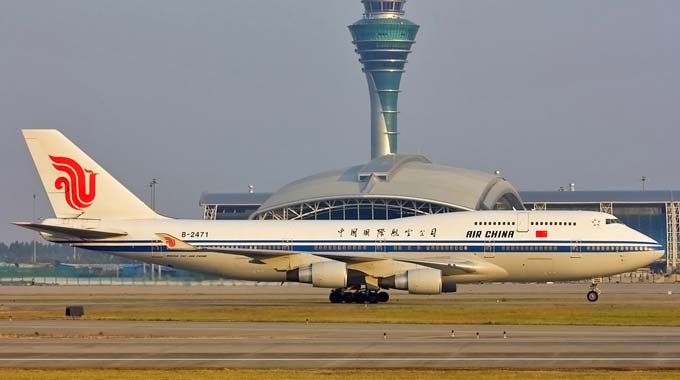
point(379, 246)
point(523, 222)
point(157, 250)
point(489, 249)
point(576, 249)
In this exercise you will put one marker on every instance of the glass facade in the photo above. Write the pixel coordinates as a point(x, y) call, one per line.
point(383, 6)
point(508, 202)
point(235, 212)
point(355, 209)
point(383, 44)
point(648, 219)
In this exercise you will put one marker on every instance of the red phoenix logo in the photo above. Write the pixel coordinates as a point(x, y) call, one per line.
point(79, 184)
point(169, 241)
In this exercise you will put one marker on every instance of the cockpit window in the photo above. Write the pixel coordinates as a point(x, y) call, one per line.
point(613, 221)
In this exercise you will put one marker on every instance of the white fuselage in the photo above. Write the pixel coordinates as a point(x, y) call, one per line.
point(521, 245)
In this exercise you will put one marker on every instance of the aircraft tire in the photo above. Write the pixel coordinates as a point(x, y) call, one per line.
point(360, 297)
point(336, 297)
point(592, 296)
point(372, 297)
point(383, 297)
point(348, 297)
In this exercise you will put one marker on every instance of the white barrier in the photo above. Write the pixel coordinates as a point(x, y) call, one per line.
point(129, 281)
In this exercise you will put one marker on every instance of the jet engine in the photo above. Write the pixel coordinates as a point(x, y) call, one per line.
point(419, 281)
point(325, 274)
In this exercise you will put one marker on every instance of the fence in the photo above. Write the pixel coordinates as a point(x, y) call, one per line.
point(131, 281)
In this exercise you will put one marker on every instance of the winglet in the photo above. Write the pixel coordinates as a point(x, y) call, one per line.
point(174, 244)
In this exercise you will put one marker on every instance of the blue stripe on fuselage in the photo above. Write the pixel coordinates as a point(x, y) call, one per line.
point(439, 246)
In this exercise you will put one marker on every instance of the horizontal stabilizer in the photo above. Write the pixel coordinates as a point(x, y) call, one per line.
point(69, 232)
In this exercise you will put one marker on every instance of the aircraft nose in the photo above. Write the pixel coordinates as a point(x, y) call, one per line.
point(660, 253)
point(658, 250)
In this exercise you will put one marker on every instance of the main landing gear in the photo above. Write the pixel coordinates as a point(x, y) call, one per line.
point(353, 295)
point(594, 293)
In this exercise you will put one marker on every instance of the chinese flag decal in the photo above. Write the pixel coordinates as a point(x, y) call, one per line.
point(541, 234)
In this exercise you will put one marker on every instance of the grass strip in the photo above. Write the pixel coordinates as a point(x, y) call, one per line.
point(567, 314)
point(312, 374)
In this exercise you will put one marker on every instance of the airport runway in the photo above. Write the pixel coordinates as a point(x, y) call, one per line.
point(72, 343)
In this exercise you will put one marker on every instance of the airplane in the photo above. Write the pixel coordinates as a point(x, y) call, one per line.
point(360, 260)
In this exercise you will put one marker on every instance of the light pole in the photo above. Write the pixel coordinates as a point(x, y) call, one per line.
point(152, 185)
point(643, 180)
point(35, 248)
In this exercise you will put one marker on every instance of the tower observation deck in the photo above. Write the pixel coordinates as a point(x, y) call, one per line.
point(383, 40)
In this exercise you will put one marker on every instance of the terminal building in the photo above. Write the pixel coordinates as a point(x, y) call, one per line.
point(654, 213)
point(394, 185)
point(391, 185)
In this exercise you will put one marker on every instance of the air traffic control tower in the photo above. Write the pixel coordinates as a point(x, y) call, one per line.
point(391, 185)
point(383, 40)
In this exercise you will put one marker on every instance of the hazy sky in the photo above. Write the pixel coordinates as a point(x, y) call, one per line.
point(216, 95)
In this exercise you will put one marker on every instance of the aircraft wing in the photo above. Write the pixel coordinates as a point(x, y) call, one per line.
point(70, 232)
point(449, 267)
point(174, 244)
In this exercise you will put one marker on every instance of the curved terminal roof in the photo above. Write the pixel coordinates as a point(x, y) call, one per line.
point(401, 177)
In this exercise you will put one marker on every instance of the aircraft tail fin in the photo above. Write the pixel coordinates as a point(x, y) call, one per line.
point(77, 187)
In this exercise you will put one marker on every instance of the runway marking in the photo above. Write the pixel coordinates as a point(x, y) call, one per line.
point(363, 359)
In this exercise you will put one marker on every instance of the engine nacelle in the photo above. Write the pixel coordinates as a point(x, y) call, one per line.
point(419, 281)
point(325, 274)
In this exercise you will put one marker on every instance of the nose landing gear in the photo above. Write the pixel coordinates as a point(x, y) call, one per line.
point(594, 294)
point(361, 295)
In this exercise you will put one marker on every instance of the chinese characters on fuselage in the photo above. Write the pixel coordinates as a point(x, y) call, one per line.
point(379, 233)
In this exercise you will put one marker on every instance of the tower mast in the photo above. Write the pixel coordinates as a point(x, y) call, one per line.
point(383, 40)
